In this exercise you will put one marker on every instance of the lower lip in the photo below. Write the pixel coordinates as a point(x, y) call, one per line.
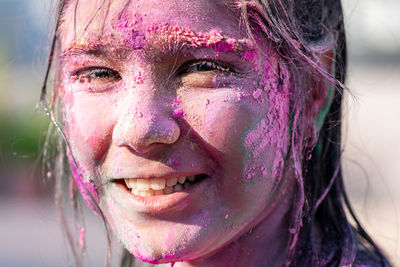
point(162, 203)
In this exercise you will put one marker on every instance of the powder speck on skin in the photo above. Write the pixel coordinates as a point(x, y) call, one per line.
point(178, 113)
point(139, 79)
point(249, 55)
point(257, 93)
point(136, 39)
point(82, 231)
point(87, 188)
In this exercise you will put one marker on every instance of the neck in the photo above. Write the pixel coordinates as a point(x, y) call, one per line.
point(265, 243)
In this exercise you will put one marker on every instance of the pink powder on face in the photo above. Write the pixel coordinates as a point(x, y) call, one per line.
point(173, 162)
point(242, 95)
point(249, 55)
point(139, 79)
point(225, 46)
point(129, 27)
point(178, 37)
point(178, 113)
point(273, 130)
point(257, 93)
point(87, 188)
point(82, 231)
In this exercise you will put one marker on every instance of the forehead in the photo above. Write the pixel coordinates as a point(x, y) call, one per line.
point(94, 18)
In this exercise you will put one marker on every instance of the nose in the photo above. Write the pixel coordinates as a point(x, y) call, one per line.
point(143, 127)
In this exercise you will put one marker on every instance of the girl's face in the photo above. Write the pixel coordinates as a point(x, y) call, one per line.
point(178, 123)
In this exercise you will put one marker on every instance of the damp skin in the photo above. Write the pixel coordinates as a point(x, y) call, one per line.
point(176, 90)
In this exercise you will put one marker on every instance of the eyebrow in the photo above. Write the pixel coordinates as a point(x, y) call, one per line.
point(164, 43)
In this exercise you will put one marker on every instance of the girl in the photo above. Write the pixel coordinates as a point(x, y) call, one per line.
point(207, 132)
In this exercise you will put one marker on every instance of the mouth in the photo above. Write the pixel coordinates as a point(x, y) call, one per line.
point(161, 186)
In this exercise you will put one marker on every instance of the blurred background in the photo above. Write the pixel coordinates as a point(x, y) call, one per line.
point(29, 229)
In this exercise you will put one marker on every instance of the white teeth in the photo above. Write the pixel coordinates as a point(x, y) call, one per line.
point(157, 184)
point(178, 188)
point(130, 183)
point(182, 179)
point(172, 181)
point(143, 184)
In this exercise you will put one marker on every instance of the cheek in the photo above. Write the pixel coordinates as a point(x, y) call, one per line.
point(219, 118)
point(89, 127)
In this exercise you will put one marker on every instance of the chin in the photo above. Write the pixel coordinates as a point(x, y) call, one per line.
point(164, 255)
point(176, 242)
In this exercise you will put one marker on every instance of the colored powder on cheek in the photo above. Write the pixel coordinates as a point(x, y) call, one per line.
point(177, 112)
point(257, 93)
point(257, 139)
point(240, 96)
point(250, 172)
point(87, 188)
point(249, 55)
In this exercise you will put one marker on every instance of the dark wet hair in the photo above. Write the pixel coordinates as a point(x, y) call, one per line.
point(300, 30)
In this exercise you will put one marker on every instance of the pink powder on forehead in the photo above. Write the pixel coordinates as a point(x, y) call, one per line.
point(130, 27)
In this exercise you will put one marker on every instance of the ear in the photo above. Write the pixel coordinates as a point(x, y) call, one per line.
point(323, 89)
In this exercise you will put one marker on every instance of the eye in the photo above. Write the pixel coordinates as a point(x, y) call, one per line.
point(205, 66)
point(96, 75)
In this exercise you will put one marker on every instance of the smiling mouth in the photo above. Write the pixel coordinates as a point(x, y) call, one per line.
point(161, 186)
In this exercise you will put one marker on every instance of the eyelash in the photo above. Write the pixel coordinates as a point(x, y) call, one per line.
point(96, 73)
point(99, 73)
point(204, 66)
